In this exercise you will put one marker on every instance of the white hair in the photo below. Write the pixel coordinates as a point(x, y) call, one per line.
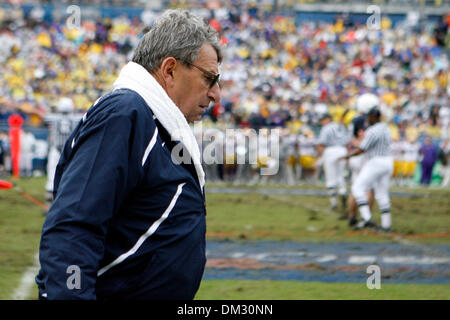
point(176, 33)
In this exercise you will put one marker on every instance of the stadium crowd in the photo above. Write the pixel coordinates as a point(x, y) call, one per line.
point(278, 72)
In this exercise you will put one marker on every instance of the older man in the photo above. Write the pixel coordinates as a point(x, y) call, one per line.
point(128, 219)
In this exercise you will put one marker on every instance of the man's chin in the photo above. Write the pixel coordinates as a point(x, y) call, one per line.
point(193, 119)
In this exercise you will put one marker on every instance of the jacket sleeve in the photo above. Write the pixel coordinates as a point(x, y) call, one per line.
point(92, 187)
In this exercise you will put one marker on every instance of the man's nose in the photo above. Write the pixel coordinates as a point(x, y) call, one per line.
point(214, 93)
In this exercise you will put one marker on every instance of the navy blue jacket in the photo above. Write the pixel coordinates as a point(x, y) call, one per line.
point(124, 213)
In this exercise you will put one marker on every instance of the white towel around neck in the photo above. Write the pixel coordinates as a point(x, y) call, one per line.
point(135, 77)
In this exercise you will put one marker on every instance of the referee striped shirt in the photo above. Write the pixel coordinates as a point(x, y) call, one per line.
point(377, 141)
point(61, 127)
point(333, 134)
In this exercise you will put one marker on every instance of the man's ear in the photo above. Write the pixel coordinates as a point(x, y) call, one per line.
point(168, 70)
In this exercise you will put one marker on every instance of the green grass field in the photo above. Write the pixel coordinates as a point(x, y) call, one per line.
point(424, 220)
point(20, 229)
point(296, 290)
point(307, 218)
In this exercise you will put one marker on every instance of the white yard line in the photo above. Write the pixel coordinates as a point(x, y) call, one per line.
point(23, 291)
point(425, 248)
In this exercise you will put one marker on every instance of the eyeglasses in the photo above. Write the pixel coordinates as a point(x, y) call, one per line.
point(212, 77)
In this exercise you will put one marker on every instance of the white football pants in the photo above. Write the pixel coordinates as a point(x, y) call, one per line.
point(334, 168)
point(375, 174)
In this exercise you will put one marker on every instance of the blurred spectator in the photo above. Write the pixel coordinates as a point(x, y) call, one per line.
point(429, 153)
